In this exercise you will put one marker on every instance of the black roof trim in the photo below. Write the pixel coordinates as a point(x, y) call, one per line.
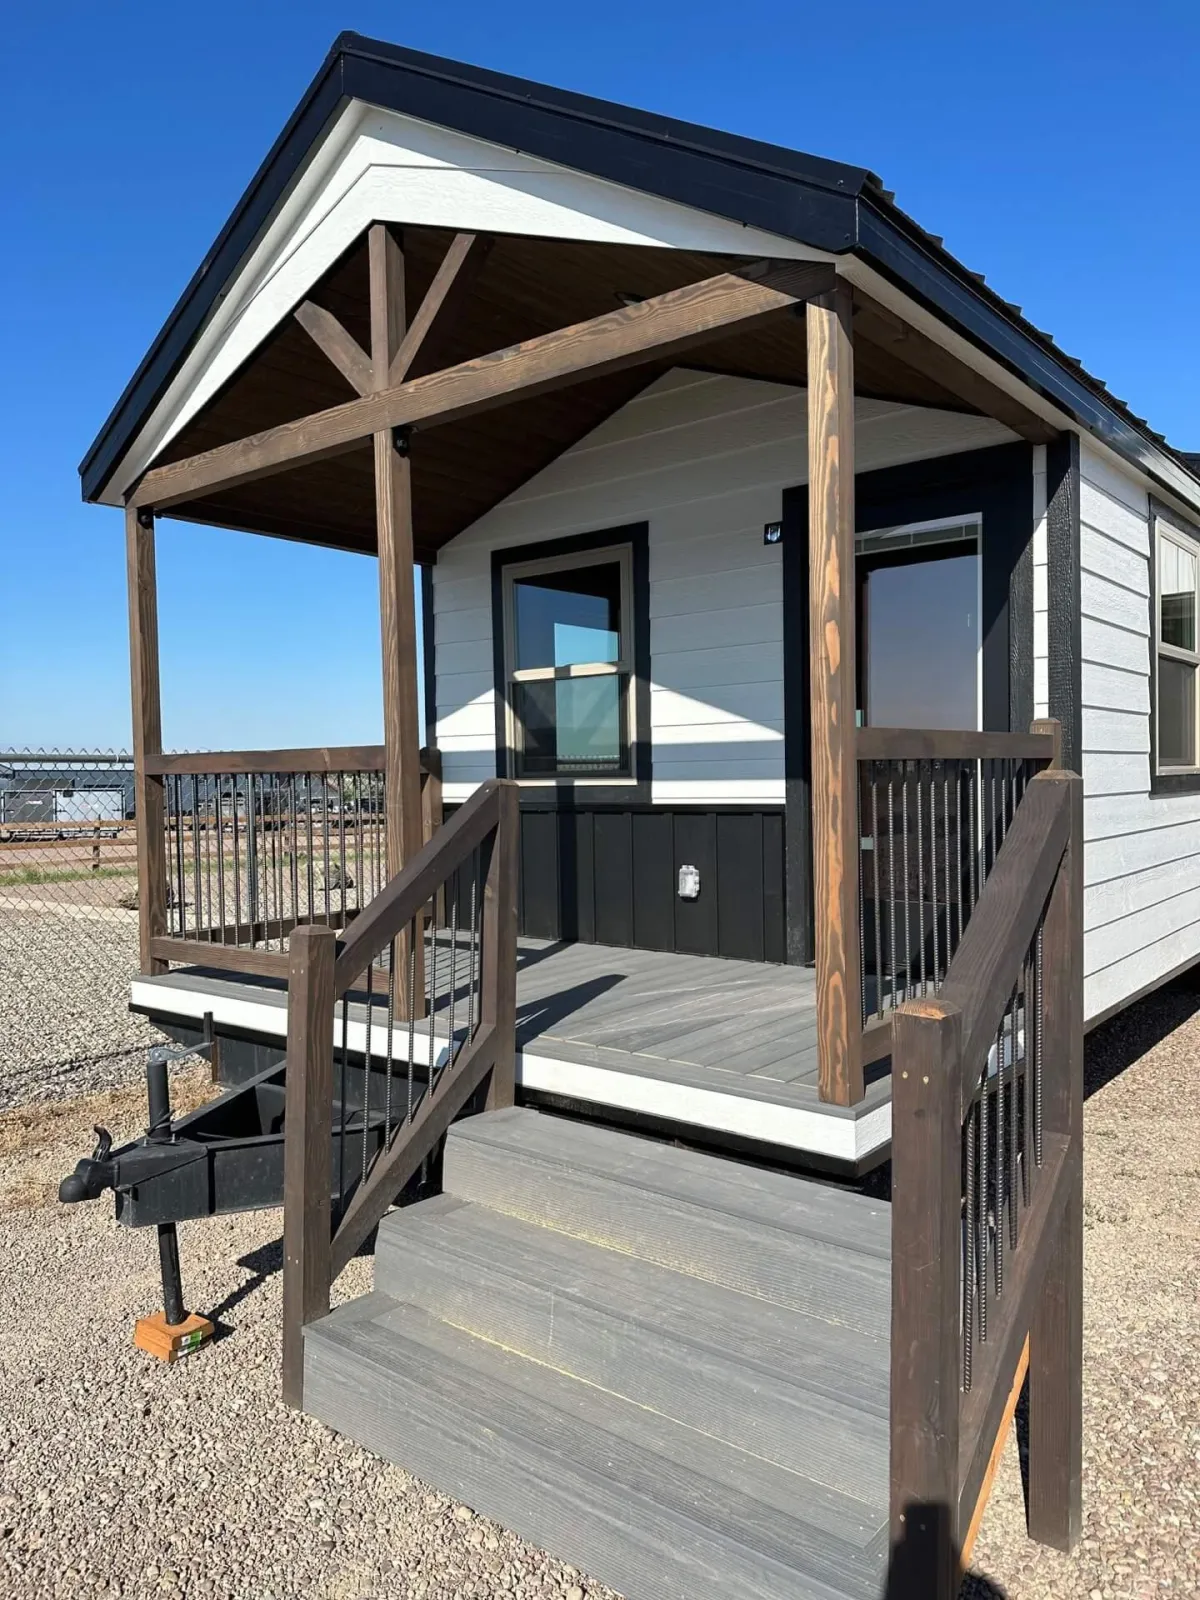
point(821, 203)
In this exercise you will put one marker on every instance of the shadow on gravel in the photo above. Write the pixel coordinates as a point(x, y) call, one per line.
point(1118, 1043)
point(262, 1264)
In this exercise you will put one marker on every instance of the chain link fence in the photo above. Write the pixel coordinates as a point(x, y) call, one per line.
point(68, 923)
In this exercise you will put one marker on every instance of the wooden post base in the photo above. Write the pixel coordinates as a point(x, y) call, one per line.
point(170, 1341)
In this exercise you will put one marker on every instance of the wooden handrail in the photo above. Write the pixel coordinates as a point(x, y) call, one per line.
point(987, 1168)
point(396, 905)
point(482, 839)
point(947, 744)
point(979, 981)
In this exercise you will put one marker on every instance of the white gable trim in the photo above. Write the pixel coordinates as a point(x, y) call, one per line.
point(379, 166)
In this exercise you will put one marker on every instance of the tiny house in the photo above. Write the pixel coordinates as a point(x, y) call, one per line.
point(810, 751)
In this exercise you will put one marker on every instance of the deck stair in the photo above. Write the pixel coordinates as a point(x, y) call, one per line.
point(666, 1368)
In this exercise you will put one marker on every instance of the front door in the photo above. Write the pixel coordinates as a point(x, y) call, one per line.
point(918, 627)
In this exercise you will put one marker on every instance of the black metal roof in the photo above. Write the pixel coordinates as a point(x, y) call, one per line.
point(824, 204)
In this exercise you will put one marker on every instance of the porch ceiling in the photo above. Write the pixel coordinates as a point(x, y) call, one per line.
point(527, 287)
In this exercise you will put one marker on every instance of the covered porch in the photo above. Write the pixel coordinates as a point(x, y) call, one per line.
point(884, 837)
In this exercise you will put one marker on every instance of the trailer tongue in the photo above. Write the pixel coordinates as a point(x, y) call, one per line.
point(227, 1156)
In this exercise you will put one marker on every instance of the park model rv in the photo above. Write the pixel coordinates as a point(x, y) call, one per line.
point(809, 754)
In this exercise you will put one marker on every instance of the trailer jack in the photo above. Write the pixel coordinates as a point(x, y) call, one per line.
point(174, 1331)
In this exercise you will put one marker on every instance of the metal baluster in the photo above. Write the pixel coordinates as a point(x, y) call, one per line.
point(935, 963)
point(342, 791)
point(1037, 1066)
point(310, 892)
point(344, 1089)
point(474, 944)
point(892, 879)
point(413, 935)
point(960, 888)
point(975, 824)
point(431, 1014)
point(908, 966)
point(222, 918)
point(367, 1054)
point(325, 840)
point(1014, 1223)
point(998, 1162)
point(969, 1226)
point(983, 1250)
point(453, 1050)
point(920, 766)
point(391, 1025)
point(1031, 1046)
point(196, 875)
point(946, 860)
point(237, 866)
point(878, 903)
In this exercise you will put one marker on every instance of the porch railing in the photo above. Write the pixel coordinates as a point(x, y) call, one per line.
point(934, 809)
point(371, 1089)
point(257, 842)
point(987, 1096)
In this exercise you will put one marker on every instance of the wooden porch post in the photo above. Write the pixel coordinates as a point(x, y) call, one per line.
point(832, 645)
point(147, 732)
point(1056, 1337)
point(397, 603)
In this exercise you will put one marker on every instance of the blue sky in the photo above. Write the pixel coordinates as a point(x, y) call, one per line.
point(1056, 146)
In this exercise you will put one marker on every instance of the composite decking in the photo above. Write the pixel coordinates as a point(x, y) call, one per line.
point(725, 1047)
point(666, 1368)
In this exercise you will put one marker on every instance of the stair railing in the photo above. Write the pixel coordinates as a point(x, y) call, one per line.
point(987, 1241)
point(399, 1024)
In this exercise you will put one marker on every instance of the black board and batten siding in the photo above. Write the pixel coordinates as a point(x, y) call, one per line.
point(610, 876)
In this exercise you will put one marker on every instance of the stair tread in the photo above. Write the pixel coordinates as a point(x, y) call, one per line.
point(770, 1235)
point(802, 1393)
point(830, 1214)
point(645, 1503)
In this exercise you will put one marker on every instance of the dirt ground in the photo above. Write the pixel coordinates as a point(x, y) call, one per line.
point(121, 1478)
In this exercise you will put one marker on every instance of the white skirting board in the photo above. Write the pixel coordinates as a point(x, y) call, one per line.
point(829, 1133)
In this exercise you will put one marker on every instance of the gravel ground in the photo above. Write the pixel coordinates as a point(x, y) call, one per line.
point(66, 1028)
point(121, 1477)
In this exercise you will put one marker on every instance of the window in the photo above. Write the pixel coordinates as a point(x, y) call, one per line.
point(1177, 655)
point(568, 665)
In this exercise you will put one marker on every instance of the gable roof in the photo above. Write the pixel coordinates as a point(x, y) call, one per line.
point(823, 204)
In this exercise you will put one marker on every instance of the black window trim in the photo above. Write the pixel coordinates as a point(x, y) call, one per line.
point(634, 790)
point(1173, 780)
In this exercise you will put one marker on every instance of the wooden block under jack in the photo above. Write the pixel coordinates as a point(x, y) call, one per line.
point(170, 1341)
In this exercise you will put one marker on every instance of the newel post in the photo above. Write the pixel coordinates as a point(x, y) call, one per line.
point(834, 694)
point(308, 1146)
point(147, 733)
point(499, 1001)
point(1056, 1337)
point(926, 1358)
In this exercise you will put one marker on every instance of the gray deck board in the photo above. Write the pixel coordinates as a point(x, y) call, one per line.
point(667, 1368)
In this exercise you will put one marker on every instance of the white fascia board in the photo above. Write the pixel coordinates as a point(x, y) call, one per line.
point(834, 1136)
point(378, 166)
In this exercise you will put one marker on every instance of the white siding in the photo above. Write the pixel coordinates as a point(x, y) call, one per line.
point(1142, 852)
point(379, 166)
point(704, 460)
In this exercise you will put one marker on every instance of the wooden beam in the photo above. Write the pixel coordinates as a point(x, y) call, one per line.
point(397, 573)
point(878, 326)
point(664, 325)
point(147, 735)
point(831, 638)
point(347, 355)
point(449, 281)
